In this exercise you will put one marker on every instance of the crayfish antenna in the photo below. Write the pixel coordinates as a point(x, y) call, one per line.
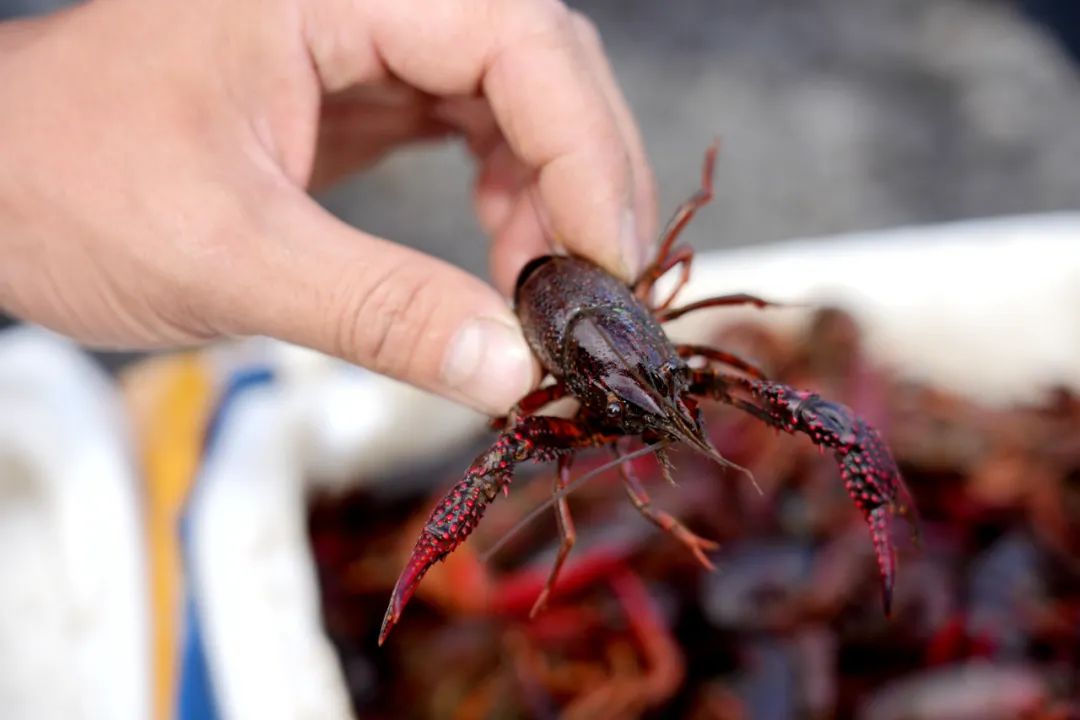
point(564, 492)
point(716, 457)
point(666, 468)
point(696, 438)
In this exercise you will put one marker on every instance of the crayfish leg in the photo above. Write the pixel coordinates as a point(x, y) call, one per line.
point(458, 513)
point(716, 355)
point(682, 216)
point(567, 535)
point(534, 401)
point(683, 258)
point(664, 315)
point(696, 544)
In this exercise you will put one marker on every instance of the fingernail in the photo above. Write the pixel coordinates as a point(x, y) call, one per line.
point(633, 253)
point(489, 365)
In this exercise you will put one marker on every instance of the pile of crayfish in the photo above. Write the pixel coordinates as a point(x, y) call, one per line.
point(983, 618)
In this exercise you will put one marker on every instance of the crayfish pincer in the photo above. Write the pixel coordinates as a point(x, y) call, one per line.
point(603, 343)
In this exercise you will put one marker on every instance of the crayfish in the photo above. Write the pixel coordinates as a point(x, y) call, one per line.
point(602, 342)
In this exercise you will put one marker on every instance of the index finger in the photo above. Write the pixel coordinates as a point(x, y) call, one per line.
point(556, 118)
point(524, 57)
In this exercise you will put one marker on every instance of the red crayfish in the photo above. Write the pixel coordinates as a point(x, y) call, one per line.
point(603, 343)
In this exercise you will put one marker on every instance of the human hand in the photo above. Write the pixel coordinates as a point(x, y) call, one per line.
point(156, 159)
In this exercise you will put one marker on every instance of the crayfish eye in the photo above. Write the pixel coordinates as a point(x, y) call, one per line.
point(614, 409)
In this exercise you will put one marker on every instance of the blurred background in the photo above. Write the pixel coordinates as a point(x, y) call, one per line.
point(836, 116)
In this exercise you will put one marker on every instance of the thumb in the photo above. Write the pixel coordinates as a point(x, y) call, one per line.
point(325, 285)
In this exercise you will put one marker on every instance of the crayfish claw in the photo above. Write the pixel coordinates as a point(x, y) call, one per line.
point(429, 549)
point(460, 510)
point(875, 485)
point(393, 614)
point(879, 520)
point(450, 523)
point(868, 469)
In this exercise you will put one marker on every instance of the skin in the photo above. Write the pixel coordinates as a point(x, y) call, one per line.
point(157, 159)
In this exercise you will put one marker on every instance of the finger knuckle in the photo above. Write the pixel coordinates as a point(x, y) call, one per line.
point(378, 322)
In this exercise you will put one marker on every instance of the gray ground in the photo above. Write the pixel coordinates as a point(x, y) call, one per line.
point(836, 115)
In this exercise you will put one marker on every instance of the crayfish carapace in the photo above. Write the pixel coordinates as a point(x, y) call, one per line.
point(603, 343)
